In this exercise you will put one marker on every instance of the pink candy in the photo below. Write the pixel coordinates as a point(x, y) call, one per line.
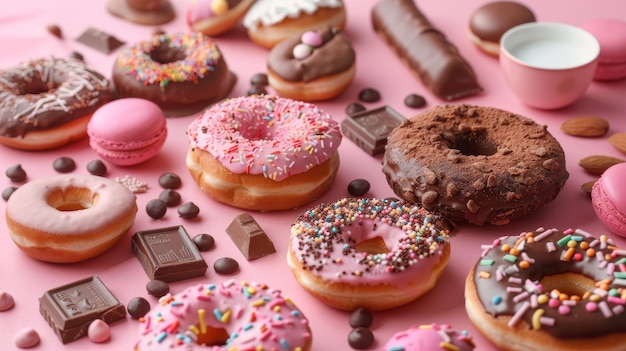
point(301, 51)
point(26, 338)
point(99, 331)
point(310, 40)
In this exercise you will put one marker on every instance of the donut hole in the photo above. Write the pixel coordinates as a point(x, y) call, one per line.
point(373, 246)
point(71, 199)
point(212, 336)
point(36, 87)
point(164, 53)
point(471, 144)
point(570, 284)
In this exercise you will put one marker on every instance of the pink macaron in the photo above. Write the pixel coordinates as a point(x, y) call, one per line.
point(611, 34)
point(127, 131)
point(608, 196)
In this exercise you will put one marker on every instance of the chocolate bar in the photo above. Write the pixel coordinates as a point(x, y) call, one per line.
point(249, 237)
point(99, 40)
point(369, 129)
point(168, 254)
point(69, 309)
point(424, 49)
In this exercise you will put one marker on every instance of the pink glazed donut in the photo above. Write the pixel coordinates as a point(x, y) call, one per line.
point(429, 338)
point(264, 153)
point(370, 253)
point(225, 317)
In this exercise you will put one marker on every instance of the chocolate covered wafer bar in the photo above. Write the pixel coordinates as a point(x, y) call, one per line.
point(69, 309)
point(424, 49)
point(249, 237)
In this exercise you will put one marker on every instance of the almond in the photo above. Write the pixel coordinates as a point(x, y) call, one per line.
point(586, 126)
point(597, 164)
point(587, 186)
point(619, 141)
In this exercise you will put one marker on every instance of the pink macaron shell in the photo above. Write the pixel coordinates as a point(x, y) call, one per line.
point(608, 197)
point(611, 35)
point(129, 157)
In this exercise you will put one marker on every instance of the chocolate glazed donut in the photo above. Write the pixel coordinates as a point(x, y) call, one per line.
point(474, 164)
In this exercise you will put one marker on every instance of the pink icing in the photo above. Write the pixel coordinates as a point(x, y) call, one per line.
point(429, 338)
point(272, 136)
point(254, 316)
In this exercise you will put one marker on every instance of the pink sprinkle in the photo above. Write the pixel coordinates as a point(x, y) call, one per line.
point(519, 313)
point(554, 303)
point(591, 306)
point(546, 321)
point(604, 308)
point(615, 300)
point(550, 246)
point(564, 310)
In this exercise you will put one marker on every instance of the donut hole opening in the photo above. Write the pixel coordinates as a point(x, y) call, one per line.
point(470, 144)
point(37, 86)
point(373, 246)
point(209, 336)
point(163, 53)
point(71, 199)
point(570, 284)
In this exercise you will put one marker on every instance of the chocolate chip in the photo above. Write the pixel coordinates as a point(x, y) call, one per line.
point(415, 101)
point(138, 307)
point(188, 210)
point(360, 338)
point(170, 180)
point(170, 197)
point(64, 164)
point(354, 107)
point(55, 30)
point(77, 55)
point(7, 192)
point(369, 95)
point(157, 288)
point(156, 208)
point(226, 265)
point(256, 90)
point(204, 242)
point(361, 317)
point(158, 31)
point(97, 167)
point(358, 187)
point(16, 173)
point(259, 80)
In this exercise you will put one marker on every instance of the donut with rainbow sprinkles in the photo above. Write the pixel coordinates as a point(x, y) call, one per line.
point(550, 290)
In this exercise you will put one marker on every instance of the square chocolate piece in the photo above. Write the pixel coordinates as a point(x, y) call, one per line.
point(99, 40)
point(249, 237)
point(69, 309)
point(369, 129)
point(168, 254)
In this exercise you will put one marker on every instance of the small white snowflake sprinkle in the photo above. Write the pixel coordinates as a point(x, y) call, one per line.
point(133, 184)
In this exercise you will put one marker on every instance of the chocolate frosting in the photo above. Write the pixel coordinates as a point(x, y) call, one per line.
point(578, 323)
point(424, 49)
point(47, 93)
point(490, 21)
point(335, 55)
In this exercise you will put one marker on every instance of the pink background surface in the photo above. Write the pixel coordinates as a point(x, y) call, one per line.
point(23, 36)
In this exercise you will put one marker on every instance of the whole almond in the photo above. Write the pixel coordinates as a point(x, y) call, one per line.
point(619, 141)
point(586, 126)
point(597, 164)
point(587, 186)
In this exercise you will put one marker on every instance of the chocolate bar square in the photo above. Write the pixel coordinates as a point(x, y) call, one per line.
point(168, 254)
point(69, 309)
point(99, 40)
point(249, 237)
point(369, 129)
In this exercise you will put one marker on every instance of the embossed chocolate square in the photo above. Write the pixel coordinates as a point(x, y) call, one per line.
point(99, 40)
point(69, 309)
point(168, 254)
point(369, 129)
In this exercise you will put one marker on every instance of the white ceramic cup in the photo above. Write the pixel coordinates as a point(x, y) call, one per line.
point(548, 65)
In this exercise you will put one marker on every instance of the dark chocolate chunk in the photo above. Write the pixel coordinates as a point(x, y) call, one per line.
point(99, 40)
point(188, 210)
point(256, 90)
point(157, 288)
point(354, 107)
point(361, 317)
point(16, 173)
point(415, 101)
point(358, 187)
point(170, 197)
point(97, 167)
point(156, 208)
point(168, 254)
point(138, 307)
point(64, 164)
point(7, 192)
point(360, 338)
point(170, 180)
point(259, 79)
point(249, 237)
point(69, 309)
point(369, 95)
point(226, 265)
point(204, 242)
point(55, 30)
point(369, 129)
point(77, 56)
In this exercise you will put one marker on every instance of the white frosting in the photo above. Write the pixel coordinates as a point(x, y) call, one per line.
point(269, 12)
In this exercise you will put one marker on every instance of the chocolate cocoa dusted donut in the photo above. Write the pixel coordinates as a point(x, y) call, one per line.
point(474, 164)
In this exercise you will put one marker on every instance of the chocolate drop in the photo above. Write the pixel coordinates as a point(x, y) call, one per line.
point(358, 187)
point(7, 192)
point(170, 197)
point(157, 288)
point(361, 317)
point(16, 173)
point(354, 107)
point(415, 101)
point(188, 210)
point(97, 168)
point(156, 208)
point(369, 95)
point(138, 307)
point(204, 242)
point(64, 164)
point(170, 180)
point(259, 79)
point(360, 338)
point(226, 265)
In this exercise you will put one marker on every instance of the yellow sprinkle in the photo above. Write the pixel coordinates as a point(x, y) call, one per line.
point(426, 326)
point(595, 298)
point(194, 329)
point(258, 303)
point(536, 318)
point(225, 316)
point(572, 243)
point(506, 248)
point(276, 308)
point(543, 298)
point(201, 314)
point(485, 275)
point(448, 346)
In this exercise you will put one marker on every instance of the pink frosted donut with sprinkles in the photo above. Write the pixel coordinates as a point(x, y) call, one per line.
point(372, 253)
point(230, 316)
point(430, 337)
point(216, 17)
point(550, 290)
point(181, 72)
point(264, 153)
